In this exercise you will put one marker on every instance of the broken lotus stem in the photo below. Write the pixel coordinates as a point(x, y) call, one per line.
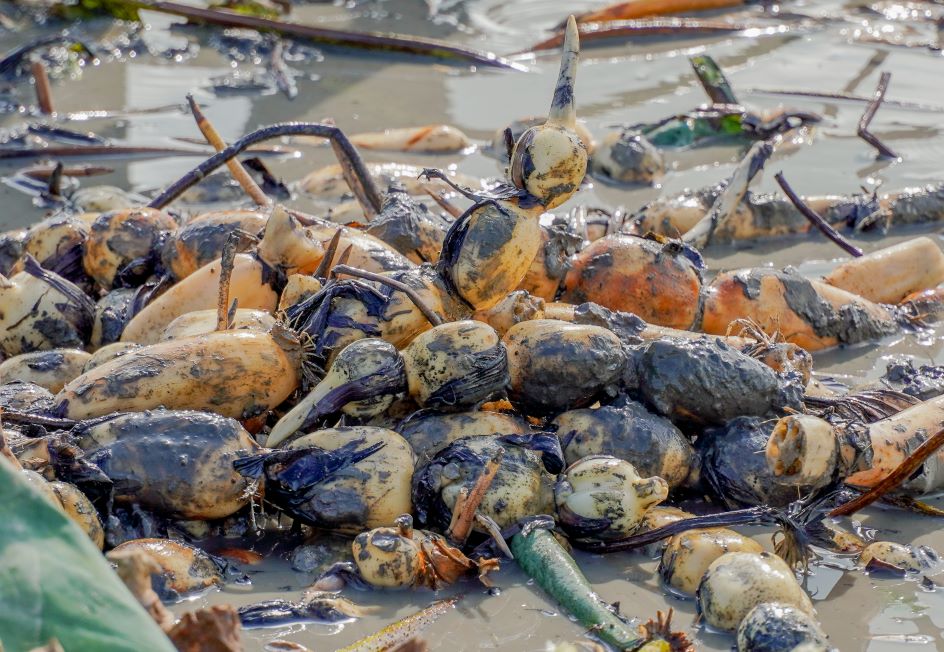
point(371, 197)
point(463, 515)
point(816, 218)
point(863, 130)
point(242, 177)
point(428, 312)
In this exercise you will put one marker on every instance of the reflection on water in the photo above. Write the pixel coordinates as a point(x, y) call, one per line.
point(618, 83)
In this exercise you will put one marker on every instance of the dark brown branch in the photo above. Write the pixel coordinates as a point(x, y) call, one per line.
point(816, 218)
point(337, 137)
point(330, 252)
point(883, 150)
point(226, 311)
point(901, 473)
point(43, 89)
point(367, 40)
point(417, 300)
point(342, 260)
point(846, 97)
point(92, 151)
point(463, 515)
point(444, 203)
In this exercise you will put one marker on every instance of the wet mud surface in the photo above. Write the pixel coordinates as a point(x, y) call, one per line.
point(643, 80)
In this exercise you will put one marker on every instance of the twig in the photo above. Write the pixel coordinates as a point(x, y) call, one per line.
point(367, 40)
point(417, 300)
point(227, 262)
point(901, 473)
point(283, 76)
point(883, 150)
point(90, 151)
point(816, 218)
point(245, 181)
point(847, 97)
point(329, 254)
point(225, 312)
point(464, 516)
point(54, 183)
point(444, 203)
point(43, 172)
point(43, 90)
point(342, 260)
point(338, 139)
point(590, 32)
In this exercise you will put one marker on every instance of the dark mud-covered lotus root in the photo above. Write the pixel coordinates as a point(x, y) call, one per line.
point(776, 627)
point(175, 463)
point(555, 366)
point(50, 369)
point(733, 466)
point(429, 431)
point(628, 431)
point(58, 243)
point(626, 156)
point(707, 382)
point(26, 397)
point(408, 226)
point(522, 486)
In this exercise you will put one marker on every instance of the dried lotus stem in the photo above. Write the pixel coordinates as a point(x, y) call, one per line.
point(43, 90)
point(428, 312)
point(225, 312)
point(463, 516)
point(816, 218)
point(330, 252)
point(863, 130)
point(370, 201)
point(245, 181)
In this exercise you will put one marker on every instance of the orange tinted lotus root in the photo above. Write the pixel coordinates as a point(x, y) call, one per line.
point(552, 261)
point(810, 314)
point(655, 281)
point(891, 274)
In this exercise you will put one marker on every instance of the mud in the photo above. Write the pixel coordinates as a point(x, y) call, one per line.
point(643, 80)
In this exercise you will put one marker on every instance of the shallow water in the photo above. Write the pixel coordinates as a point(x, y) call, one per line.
point(622, 82)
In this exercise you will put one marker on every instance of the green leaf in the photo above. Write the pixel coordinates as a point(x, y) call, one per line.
point(54, 583)
point(712, 79)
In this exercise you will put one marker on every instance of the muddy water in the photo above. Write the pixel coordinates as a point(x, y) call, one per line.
point(625, 82)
